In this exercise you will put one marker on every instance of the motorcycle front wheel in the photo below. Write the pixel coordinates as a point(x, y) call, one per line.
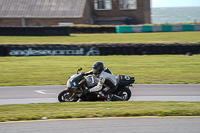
point(67, 96)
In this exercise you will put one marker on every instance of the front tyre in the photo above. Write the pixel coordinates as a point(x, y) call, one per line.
point(67, 96)
point(124, 93)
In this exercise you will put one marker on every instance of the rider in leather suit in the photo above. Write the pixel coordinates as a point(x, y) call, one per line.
point(107, 82)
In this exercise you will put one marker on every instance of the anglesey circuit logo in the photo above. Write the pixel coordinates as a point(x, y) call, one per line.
point(93, 51)
point(41, 51)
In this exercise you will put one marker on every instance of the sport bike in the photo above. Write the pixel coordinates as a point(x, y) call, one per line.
point(78, 83)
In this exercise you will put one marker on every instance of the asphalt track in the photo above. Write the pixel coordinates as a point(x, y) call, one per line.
point(143, 92)
point(48, 94)
point(114, 125)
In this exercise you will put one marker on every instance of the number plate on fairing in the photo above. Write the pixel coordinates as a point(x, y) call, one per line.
point(125, 80)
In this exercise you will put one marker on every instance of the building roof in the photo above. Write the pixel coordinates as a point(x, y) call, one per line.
point(42, 8)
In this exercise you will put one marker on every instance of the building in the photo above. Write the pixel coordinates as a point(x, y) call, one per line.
point(117, 11)
point(55, 12)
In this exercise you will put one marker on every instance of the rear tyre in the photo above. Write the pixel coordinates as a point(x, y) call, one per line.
point(67, 96)
point(124, 93)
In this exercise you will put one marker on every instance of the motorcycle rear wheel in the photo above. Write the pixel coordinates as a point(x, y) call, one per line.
point(67, 96)
point(124, 93)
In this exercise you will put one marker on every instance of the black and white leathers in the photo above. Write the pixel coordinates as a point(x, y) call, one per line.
point(106, 78)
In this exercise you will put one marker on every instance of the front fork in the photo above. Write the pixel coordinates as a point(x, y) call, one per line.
point(78, 93)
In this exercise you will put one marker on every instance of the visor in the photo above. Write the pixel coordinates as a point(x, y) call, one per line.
point(95, 70)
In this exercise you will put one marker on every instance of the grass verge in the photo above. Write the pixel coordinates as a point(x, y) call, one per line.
point(97, 109)
point(85, 38)
point(55, 70)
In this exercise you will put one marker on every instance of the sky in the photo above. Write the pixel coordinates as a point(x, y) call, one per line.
point(175, 3)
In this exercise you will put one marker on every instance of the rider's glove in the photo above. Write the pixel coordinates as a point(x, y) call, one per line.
point(83, 73)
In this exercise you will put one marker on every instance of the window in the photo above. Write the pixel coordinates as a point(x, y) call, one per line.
point(102, 4)
point(128, 4)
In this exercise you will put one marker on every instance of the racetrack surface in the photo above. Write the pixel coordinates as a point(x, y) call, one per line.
point(114, 125)
point(142, 92)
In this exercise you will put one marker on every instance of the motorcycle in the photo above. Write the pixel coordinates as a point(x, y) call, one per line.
point(78, 83)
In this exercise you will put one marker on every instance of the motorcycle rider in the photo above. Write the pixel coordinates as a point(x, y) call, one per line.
point(107, 82)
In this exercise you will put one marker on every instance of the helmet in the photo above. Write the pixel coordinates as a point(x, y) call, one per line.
point(97, 67)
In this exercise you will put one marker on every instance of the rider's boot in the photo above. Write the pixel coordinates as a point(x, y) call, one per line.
point(117, 98)
point(107, 97)
point(79, 100)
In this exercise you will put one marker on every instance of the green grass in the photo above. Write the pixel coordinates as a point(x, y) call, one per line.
point(55, 70)
point(97, 109)
point(85, 38)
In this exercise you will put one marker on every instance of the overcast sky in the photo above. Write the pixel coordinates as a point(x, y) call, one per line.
point(175, 3)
